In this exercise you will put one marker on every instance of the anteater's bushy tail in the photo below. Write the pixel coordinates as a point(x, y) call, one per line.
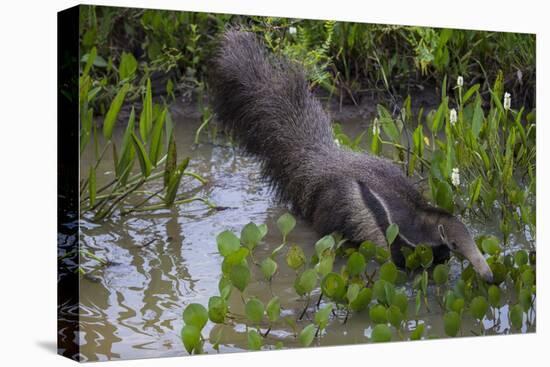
point(265, 102)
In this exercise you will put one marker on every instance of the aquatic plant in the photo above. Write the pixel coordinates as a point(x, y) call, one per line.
point(366, 281)
point(151, 143)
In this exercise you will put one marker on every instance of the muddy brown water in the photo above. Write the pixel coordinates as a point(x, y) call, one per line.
point(163, 260)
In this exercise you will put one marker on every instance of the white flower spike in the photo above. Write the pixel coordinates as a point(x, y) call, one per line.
point(453, 117)
point(455, 177)
point(507, 101)
point(292, 30)
point(459, 81)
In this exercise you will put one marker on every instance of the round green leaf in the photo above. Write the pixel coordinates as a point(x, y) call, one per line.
point(401, 300)
point(418, 332)
point(254, 310)
point(217, 309)
point(227, 243)
point(499, 272)
point(382, 255)
point(425, 255)
point(308, 280)
point(521, 258)
point(254, 340)
point(251, 235)
point(356, 264)
point(494, 295)
point(322, 316)
point(528, 277)
point(353, 292)
point(479, 307)
point(451, 323)
point(195, 314)
point(362, 300)
point(273, 309)
point(378, 314)
point(394, 315)
point(286, 223)
point(381, 333)
point(306, 335)
point(269, 267)
point(525, 299)
point(191, 338)
point(240, 276)
point(490, 245)
point(516, 316)
point(441, 274)
point(368, 250)
point(295, 257)
point(391, 233)
point(323, 245)
point(388, 272)
point(333, 286)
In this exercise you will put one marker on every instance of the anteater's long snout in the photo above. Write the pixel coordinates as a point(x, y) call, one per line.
point(475, 257)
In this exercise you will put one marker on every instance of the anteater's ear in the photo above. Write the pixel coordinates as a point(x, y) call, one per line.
point(442, 233)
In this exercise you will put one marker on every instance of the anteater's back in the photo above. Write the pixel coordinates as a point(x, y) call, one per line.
point(265, 102)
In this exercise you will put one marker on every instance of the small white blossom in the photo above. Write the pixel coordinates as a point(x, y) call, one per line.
point(455, 177)
point(507, 101)
point(376, 127)
point(337, 142)
point(460, 81)
point(453, 117)
point(292, 30)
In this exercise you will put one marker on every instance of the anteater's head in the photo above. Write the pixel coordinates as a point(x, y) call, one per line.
point(453, 233)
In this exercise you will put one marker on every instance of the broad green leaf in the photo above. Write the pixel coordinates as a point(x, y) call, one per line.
point(325, 243)
point(395, 317)
point(490, 245)
point(381, 333)
point(254, 310)
point(474, 88)
point(353, 292)
point(127, 67)
point(112, 113)
point(171, 160)
point(478, 117)
point(494, 295)
point(362, 300)
point(322, 316)
point(308, 280)
point(441, 274)
point(155, 146)
point(174, 182)
point(388, 272)
point(217, 309)
point(191, 338)
point(479, 307)
point(254, 340)
point(306, 335)
point(273, 309)
point(286, 223)
point(227, 243)
point(146, 117)
point(240, 276)
point(356, 264)
point(391, 233)
point(418, 332)
point(333, 286)
point(516, 316)
point(269, 267)
point(378, 314)
point(195, 314)
point(143, 158)
point(251, 235)
point(451, 323)
point(295, 257)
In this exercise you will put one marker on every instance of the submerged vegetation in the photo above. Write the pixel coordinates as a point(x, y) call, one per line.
point(473, 152)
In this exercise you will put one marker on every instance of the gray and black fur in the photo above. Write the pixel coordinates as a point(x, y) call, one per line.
point(265, 102)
